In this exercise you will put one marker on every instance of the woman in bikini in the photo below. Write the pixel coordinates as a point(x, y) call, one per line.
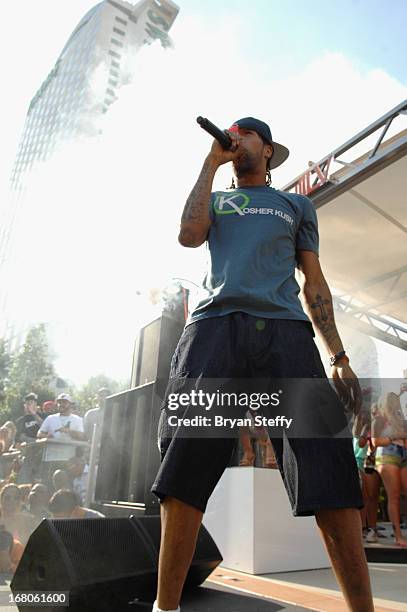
point(390, 438)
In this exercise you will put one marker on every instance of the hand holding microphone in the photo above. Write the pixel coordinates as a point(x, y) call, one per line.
point(226, 144)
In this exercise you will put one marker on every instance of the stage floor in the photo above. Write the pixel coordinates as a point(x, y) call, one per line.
point(207, 598)
point(231, 591)
point(316, 590)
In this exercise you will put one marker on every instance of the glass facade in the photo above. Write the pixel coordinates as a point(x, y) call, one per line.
point(68, 103)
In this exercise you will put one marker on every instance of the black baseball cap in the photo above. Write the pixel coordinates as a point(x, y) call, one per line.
point(31, 396)
point(280, 152)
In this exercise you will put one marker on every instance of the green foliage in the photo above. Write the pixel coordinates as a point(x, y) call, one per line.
point(5, 364)
point(31, 371)
point(85, 397)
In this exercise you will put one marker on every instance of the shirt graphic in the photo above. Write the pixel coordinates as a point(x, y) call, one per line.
point(252, 253)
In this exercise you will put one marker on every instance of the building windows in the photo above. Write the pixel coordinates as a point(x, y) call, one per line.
point(122, 21)
point(110, 92)
point(112, 82)
point(120, 32)
point(115, 64)
point(114, 73)
point(114, 54)
point(116, 42)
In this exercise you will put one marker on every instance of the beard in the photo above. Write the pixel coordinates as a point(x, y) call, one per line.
point(245, 164)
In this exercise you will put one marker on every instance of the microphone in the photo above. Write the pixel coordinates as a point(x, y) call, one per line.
point(214, 131)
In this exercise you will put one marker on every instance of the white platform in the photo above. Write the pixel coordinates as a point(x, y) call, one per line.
point(250, 519)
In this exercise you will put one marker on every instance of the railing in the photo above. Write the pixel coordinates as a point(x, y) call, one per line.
point(31, 456)
point(318, 174)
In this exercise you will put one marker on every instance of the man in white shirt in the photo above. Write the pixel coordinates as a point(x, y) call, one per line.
point(63, 425)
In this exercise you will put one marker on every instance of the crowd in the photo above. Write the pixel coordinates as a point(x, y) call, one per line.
point(56, 484)
point(380, 446)
point(44, 463)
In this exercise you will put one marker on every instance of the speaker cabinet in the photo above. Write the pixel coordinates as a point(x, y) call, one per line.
point(104, 564)
point(154, 349)
point(129, 458)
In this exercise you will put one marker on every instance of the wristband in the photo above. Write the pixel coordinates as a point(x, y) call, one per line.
point(335, 358)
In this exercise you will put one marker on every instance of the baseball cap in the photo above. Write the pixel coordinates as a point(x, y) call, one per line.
point(65, 396)
point(280, 152)
point(48, 406)
point(31, 396)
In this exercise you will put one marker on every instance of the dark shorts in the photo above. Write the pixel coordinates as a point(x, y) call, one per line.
point(317, 472)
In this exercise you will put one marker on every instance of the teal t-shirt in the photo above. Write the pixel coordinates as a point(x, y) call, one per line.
point(252, 246)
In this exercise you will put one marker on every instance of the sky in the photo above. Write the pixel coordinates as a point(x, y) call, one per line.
point(100, 230)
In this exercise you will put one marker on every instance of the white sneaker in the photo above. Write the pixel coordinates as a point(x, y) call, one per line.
point(371, 536)
point(157, 609)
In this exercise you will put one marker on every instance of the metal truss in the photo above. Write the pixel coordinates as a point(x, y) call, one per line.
point(391, 295)
point(321, 185)
point(364, 320)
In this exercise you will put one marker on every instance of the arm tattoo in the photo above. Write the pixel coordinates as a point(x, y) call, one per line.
point(196, 207)
point(322, 316)
point(319, 303)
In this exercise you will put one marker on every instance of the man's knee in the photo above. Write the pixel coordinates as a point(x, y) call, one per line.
point(333, 519)
point(176, 506)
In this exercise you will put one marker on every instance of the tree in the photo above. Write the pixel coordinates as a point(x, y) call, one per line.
point(32, 371)
point(86, 396)
point(5, 364)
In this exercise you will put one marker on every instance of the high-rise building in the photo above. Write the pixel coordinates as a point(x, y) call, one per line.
point(84, 81)
point(94, 63)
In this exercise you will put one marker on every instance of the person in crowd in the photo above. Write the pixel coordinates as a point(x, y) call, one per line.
point(25, 491)
point(255, 436)
point(28, 424)
point(12, 430)
point(11, 551)
point(403, 396)
point(65, 504)
point(38, 501)
point(49, 407)
point(369, 477)
point(390, 438)
point(78, 470)
point(94, 415)
point(20, 524)
point(63, 425)
point(61, 480)
point(5, 441)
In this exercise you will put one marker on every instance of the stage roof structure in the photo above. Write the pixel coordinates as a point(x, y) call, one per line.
point(362, 214)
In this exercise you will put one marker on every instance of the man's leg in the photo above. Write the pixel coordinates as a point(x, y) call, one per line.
point(342, 534)
point(180, 524)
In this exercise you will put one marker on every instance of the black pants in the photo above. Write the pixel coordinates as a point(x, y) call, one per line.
point(319, 471)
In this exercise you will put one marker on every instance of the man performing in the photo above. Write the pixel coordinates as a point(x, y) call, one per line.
point(251, 324)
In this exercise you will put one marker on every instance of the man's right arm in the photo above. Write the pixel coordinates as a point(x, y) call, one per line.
point(195, 220)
